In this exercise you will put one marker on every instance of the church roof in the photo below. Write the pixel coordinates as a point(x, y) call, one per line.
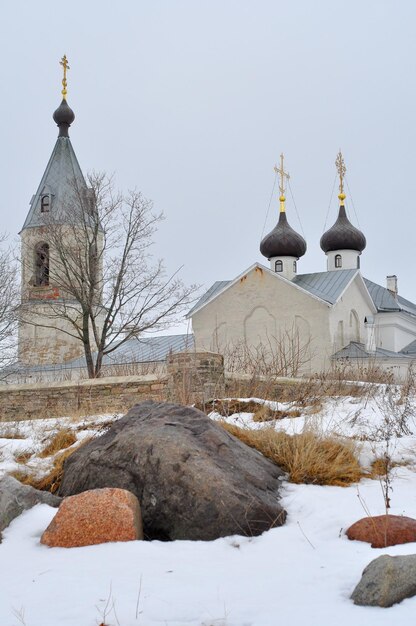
point(327, 286)
point(385, 300)
point(61, 172)
point(355, 350)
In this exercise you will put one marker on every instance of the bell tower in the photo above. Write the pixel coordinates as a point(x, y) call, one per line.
point(45, 336)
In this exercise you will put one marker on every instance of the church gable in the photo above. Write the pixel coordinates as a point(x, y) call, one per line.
point(258, 309)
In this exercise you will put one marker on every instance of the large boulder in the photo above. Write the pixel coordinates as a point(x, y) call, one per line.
point(386, 581)
point(384, 530)
point(16, 498)
point(92, 517)
point(192, 478)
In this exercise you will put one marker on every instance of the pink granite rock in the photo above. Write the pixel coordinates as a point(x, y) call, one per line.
point(95, 516)
point(384, 530)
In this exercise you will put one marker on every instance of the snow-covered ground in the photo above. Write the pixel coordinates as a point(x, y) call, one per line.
point(301, 573)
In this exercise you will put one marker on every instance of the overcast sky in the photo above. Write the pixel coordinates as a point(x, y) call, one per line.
point(192, 102)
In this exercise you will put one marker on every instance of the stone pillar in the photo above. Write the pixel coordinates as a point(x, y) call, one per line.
point(195, 376)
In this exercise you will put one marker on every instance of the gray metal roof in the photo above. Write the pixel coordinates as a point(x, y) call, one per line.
point(212, 291)
point(385, 301)
point(325, 285)
point(356, 350)
point(144, 350)
point(410, 349)
point(328, 286)
point(61, 173)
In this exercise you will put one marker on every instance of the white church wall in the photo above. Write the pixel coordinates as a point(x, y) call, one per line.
point(348, 314)
point(395, 330)
point(262, 307)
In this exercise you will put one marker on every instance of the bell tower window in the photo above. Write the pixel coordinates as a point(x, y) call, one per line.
point(338, 260)
point(42, 265)
point(45, 203)
point(278, 266)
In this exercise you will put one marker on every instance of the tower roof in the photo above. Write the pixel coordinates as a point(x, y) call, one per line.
point(343, 235)
point(61, 177)
point(283, 241)
point(62, 180)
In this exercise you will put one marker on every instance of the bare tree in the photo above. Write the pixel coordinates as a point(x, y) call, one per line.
point(9, 290)
point(97, 258)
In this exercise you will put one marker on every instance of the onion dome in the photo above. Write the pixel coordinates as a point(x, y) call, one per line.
point(343, 235)
point(64, 116)
point(283, 241)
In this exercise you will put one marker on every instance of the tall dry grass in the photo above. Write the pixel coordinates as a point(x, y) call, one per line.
point(308, 457)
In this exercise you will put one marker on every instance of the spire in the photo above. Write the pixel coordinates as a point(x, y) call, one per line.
point(64, 115)
point(280, 170)
point(55, 194)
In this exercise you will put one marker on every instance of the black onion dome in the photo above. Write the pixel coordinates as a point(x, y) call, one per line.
point(283, 241)
point(64, 116)
point(343, 235)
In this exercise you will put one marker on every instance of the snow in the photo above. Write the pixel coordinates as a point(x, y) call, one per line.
point(301, 573)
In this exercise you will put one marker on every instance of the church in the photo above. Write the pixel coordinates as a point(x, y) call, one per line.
point(273, 317)
point(293, 324)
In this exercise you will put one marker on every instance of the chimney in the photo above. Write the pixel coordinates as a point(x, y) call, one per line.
point(370, 335)
point(392, 284)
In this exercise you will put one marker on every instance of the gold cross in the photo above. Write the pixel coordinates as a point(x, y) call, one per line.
point(64, 63)
point(340, 163)
point(280, 170)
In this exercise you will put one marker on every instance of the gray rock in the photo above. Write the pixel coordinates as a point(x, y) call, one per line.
point(192, 478)
point(386, 581)
point(16, 498)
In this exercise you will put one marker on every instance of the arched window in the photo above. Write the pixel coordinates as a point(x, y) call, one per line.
point(338, 260)
point(42, 265)
point(278, 266)
point(45, 203)
point(294, 266)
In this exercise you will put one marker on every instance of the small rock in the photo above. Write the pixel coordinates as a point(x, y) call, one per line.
point(383, 530)
point(16, 498)
point(386, 581)
point(96, 516)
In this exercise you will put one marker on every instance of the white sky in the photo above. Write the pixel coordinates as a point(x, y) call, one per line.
point(192, 102)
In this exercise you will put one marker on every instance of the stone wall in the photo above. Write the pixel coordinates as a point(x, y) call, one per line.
point(188, 377)
point(34, 401)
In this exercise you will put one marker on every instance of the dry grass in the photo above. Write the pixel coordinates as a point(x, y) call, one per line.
point(381, 465)
point(308, 457)
point(52, 480)
point(61, 440)
point(23, 456)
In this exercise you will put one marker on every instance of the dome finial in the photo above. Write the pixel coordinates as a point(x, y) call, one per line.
point(340, 164)
point(64, 63)
point(280, 170)
point(64, 115)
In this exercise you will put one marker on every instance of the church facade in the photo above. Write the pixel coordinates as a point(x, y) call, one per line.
point(296, 324)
